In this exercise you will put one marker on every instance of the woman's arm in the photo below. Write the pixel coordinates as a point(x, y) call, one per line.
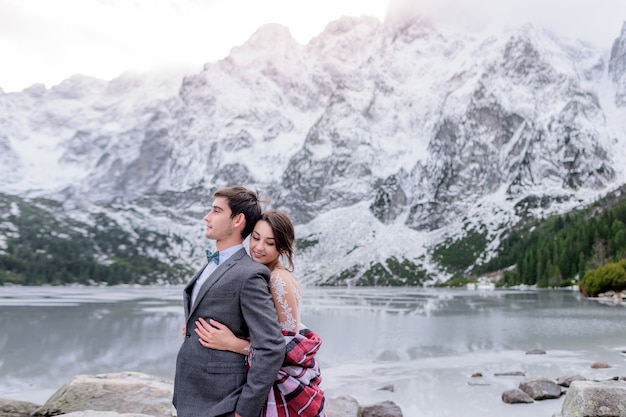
point(215, 335)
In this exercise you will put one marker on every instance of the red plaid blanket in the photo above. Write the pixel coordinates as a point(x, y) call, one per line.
point(297, 391)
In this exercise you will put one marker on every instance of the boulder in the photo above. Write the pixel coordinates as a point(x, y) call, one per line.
point(536, 352)
point(510, 373)
point(600, 365)
point(15, 408)
point(595, 399)
point(123, 392)
point(478, 384)
point(343, 406)
point(516, 396)
point(382, 409)
point(566, 381)
point(91, 413)
point(540, 388)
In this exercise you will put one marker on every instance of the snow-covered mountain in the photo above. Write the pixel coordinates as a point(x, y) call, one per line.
point(381, 140)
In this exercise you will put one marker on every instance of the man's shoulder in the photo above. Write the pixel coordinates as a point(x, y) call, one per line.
point(244, 260)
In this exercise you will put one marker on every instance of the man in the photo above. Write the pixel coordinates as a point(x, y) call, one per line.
point(233, 290)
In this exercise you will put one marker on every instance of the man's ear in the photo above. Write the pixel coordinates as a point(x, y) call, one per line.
point(239, 220)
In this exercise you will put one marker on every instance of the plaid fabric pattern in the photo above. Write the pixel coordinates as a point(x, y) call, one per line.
point(296, 391)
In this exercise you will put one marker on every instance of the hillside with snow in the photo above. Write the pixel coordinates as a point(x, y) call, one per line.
point(381, 140)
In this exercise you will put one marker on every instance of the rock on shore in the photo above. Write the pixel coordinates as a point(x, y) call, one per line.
point(150, 395)
point(595, 399)
point(135, 394)
point(14, 408)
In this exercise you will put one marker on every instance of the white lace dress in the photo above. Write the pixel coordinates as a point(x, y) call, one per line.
point(296, 391)
point(286, 294)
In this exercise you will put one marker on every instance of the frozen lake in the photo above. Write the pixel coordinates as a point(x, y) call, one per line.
point(426, 342)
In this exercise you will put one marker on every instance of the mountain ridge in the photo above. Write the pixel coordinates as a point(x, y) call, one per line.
point(381, 140)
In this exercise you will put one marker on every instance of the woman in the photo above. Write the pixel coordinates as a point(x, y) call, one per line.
point(296, 391)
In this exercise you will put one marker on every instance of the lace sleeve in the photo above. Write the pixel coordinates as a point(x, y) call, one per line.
point(286, 295)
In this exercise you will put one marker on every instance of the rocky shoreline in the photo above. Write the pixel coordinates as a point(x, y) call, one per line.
point(136, 394)
point(107, 395)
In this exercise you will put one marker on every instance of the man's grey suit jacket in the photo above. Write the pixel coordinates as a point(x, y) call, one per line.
point(209, 382)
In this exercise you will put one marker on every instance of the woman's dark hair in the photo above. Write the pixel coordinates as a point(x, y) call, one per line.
point(284, 233)
point(244, 201)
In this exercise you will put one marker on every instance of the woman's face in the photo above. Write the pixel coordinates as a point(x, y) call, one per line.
point(262, 243)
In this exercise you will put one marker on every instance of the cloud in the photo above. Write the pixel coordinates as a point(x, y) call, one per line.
point(596, 21)
point(48, 41)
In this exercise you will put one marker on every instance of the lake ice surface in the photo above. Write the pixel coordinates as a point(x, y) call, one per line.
point(427, 343)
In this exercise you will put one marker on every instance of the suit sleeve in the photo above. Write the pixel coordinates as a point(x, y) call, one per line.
point(266, 341)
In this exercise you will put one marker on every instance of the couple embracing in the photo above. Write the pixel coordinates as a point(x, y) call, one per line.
point(245, 352)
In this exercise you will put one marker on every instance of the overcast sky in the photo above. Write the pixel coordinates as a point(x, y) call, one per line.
point(46, 41)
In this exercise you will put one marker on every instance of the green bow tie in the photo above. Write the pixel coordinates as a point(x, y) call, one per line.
point(213, 257)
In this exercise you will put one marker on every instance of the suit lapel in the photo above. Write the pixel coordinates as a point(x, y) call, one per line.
point(214, 278)
point(188, 290)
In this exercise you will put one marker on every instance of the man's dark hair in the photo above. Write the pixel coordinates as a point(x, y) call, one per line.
point(242, 200)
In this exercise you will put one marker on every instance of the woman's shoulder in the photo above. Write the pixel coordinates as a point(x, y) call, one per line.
point(282, 274)
point(284, 277)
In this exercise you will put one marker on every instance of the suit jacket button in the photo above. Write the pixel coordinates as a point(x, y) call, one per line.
point(187, 334)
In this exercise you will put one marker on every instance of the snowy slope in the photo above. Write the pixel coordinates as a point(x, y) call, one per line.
point(381, 140)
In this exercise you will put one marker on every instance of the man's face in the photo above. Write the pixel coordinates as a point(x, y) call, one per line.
point(219, 225)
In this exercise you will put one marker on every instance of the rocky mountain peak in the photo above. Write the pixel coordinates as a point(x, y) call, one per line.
point(270, 40)
point(617, 67)
point(415, 133)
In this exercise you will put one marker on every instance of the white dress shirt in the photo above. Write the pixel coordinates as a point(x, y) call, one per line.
point(210, 268)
